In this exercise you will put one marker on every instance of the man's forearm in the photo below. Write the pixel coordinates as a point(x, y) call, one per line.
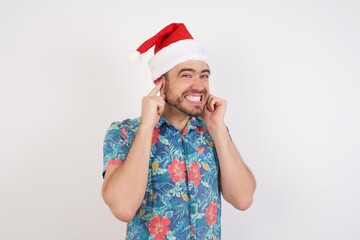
point(237, 182)
point(124, 186)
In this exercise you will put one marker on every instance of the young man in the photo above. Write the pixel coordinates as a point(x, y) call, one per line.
point(164, 172)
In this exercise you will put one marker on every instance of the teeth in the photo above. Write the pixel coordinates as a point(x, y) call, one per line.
point(193, 98)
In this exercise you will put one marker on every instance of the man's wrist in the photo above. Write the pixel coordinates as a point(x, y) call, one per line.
point(144, 126)
point(218, 130)
point(216, 126)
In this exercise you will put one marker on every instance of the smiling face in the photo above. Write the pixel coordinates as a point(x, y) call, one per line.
point(186, 87)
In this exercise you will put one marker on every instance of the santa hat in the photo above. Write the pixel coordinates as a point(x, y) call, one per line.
point(173, 45)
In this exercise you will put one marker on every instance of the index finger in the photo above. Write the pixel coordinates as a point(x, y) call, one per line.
point(155, 90)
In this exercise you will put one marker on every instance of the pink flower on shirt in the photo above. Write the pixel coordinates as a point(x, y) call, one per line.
point(194, 173)
point(177, 170)
point(159, 227)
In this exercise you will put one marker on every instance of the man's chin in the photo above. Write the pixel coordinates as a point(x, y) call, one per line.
point(193, 112)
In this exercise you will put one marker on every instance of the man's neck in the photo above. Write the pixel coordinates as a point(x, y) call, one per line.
point(175, 117)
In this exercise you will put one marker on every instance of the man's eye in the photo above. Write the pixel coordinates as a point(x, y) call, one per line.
point(205, 76)
point(186, 75)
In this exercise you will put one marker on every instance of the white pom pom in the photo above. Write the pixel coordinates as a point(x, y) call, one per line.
point(134, 58)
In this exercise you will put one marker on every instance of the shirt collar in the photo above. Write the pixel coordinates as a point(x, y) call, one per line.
point(195, 121)
point(161, 122)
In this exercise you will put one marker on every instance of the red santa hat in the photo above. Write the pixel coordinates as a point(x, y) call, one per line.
point(173, 45)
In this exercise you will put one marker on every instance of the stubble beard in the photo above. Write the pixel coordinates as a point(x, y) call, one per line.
point(177, 102)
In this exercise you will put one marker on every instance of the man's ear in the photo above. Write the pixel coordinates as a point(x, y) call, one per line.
point(163, 81)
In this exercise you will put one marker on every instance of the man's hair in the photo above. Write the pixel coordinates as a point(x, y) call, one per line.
point(165, 75)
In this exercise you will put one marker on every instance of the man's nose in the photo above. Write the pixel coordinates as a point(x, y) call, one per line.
point(198, 83)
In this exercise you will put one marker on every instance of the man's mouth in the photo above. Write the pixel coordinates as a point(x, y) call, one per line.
point(193, 98)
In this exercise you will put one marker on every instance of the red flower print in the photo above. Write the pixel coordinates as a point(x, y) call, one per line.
point(114, 161)
point(185, 131)
point(155, 136)
point(194, 173)
point(200, 150)
point(200, 129)
point(158, 227)
point(177, 170)
point(123, 131)
point(210, 213)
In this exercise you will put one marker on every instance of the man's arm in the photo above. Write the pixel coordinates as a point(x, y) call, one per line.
point(124, 186)
point(237, 182)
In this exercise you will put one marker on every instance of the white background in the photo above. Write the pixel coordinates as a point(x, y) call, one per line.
point(290, 73)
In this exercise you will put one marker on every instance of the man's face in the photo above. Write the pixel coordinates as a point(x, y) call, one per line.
point(186, 87)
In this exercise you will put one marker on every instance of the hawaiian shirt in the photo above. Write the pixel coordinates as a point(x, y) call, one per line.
point(182, 198)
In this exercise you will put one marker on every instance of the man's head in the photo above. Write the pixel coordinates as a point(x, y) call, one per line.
point(186, 87)
point(182, 64)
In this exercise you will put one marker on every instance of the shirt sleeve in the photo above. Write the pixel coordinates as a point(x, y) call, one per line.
point(116, 145)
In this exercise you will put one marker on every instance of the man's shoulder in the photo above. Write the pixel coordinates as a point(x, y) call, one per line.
point(128, 124)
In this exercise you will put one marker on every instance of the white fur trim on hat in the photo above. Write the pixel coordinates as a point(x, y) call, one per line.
point(176, 53)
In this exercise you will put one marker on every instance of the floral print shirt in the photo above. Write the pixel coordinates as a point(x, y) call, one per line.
point(182, 198)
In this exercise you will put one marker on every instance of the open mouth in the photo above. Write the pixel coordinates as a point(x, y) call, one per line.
point(194, 98)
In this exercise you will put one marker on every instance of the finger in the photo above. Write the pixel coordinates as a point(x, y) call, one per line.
point(208, 102)
point(156, 98)
point(159, 103)
point(159, 100)
point(155, 90)
point(216, 102)
point(160, 109)
point(211, 104)
point(205, 112)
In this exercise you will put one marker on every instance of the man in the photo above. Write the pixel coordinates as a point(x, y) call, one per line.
point(165, 171)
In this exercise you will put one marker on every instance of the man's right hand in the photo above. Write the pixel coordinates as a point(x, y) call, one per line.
point(124, 199)
point(152, 107)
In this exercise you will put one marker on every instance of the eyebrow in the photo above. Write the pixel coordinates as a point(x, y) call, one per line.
point(192, 70)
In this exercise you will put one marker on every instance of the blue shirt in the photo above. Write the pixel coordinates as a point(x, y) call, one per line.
point(182, 198)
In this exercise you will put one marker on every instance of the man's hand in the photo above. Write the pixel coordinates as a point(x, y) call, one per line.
point(152, 107)
point(214, 112)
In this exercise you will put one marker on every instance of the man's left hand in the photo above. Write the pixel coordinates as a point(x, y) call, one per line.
point(214, 112)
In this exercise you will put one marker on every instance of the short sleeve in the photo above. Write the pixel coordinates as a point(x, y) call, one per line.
point(116, 145)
